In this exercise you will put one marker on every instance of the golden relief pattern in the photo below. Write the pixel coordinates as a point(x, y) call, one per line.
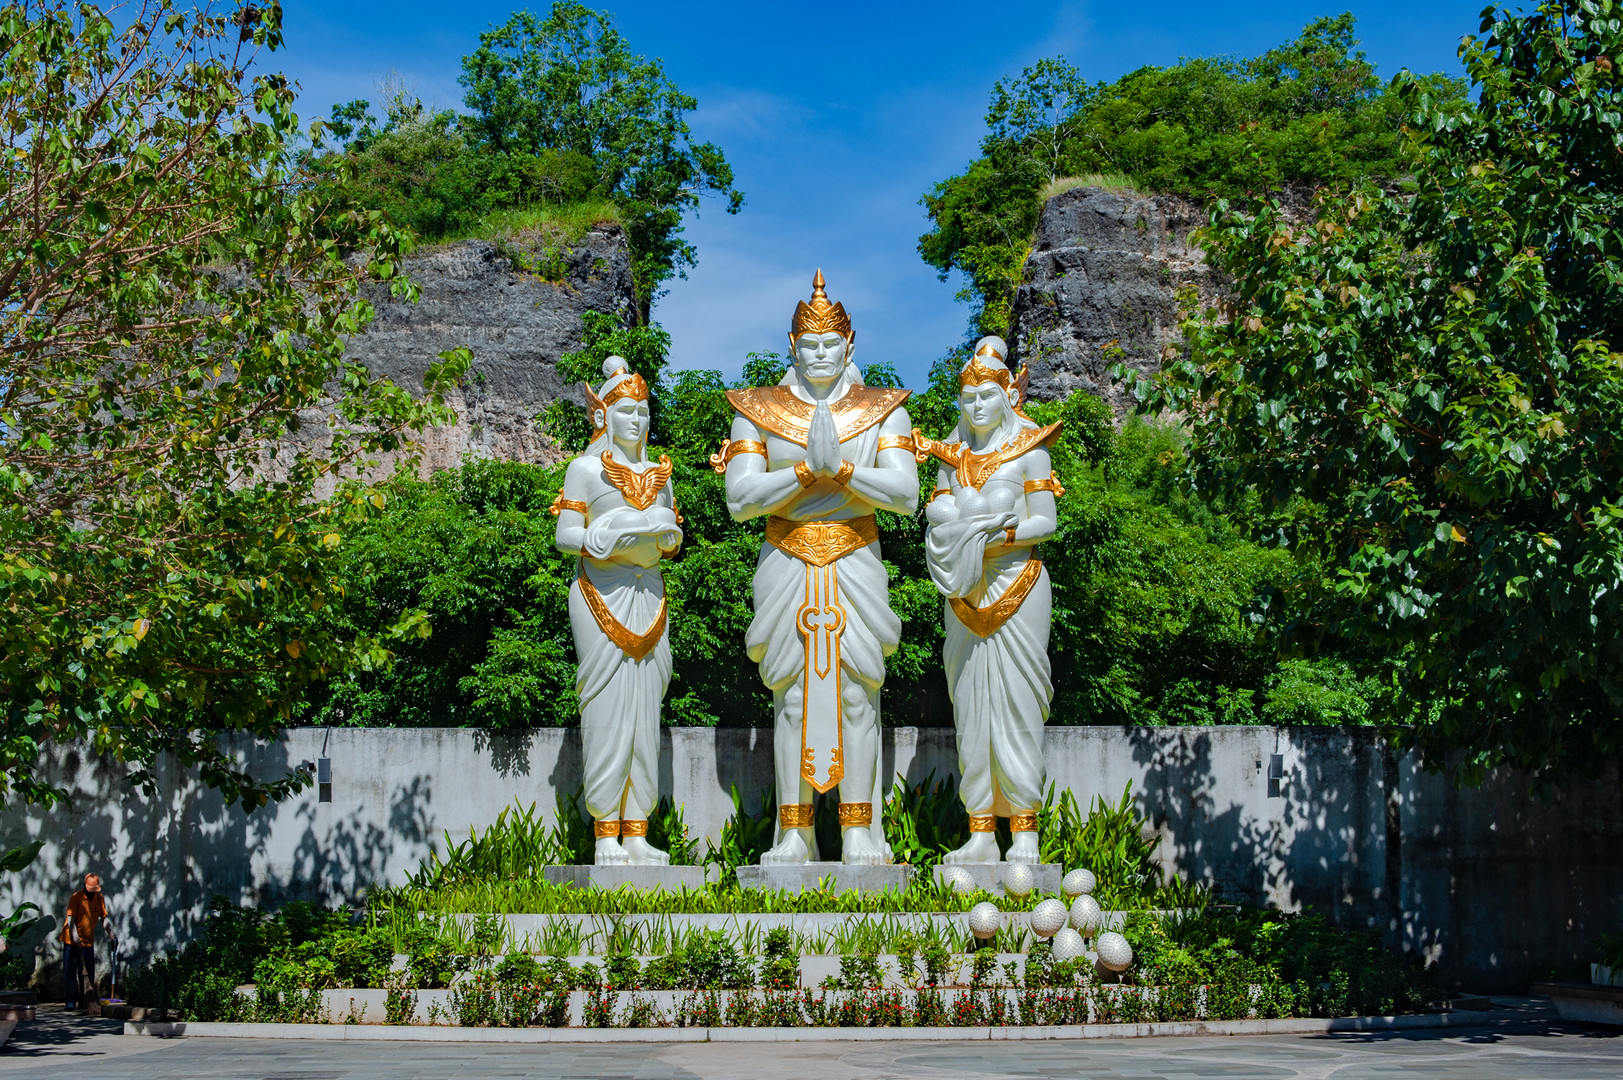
point(795, 815)
point(602, 829)
point(895, 442)
point(560, 504)
point(633, 644)
point(856, 814)
point(1022, 822)
point(634, 827)
point(1051, 483)
point(821, 542)
point(776, 409)
point(731, 448)
point(982, 622)
point(982, 823)
point(639, 488)
point(975, 469)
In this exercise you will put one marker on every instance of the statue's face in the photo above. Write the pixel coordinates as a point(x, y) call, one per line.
point(985, 405)
point(628, 421)
point(821, 356)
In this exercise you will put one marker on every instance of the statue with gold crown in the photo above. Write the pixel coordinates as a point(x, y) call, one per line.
point(994, 502)
point(816, 455)
point(617, 515)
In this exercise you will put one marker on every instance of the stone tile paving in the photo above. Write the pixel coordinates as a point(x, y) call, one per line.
point(1548, 1050)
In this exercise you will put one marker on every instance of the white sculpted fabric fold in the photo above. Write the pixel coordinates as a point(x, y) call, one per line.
point(619, 696)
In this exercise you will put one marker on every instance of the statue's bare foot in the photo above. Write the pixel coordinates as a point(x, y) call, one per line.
point(1024, 848)
point(982, 848)
point(858, 849)
point(609, 852)
point(792, 850)
point(639, 852)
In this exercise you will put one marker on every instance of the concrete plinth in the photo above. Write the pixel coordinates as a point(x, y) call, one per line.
point(989, 876)
point(808, 876)
point(668, 878)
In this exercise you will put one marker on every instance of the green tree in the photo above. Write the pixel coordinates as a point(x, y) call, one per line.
point(571, 83)
point(173, 392)
point(1424, 391)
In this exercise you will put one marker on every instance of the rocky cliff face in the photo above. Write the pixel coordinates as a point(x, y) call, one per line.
point(516, 322)
point(1101, 286)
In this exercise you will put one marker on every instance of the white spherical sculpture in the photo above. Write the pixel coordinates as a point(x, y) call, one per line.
point(960, 880)
point(1085, 915)
point(1068, 945)
point(1048, 917)
point(1078, 882)
point(1019, 881)
point(1114, 952)
point(984, 920)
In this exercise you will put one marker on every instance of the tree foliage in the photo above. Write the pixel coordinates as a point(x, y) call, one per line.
point(173, 392)
point(1308, 112)
point(1424, 391)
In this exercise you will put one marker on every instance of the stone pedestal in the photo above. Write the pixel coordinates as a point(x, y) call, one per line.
point(668, 878)
point(807, 876)
point(989, 876)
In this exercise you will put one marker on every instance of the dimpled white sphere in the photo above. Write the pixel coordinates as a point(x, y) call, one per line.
point(1114, 952)
point(961, 880)
point(1085, 915)
point(984, 920)
point(1078, 882)
point(1047, 917)
point(1019, 881)
point(1068, 945)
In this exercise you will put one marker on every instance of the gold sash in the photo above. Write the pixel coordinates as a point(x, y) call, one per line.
point(983, 622)
point(821, 542)
point(632, 644)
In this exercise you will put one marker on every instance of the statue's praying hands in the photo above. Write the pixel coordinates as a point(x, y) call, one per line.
point(823, 443)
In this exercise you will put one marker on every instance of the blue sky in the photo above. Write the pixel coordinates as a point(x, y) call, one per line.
point(836, 118)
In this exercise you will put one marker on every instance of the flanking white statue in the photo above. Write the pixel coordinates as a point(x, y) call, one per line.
point(994, 501)
point(816, 455)
point(617, 514)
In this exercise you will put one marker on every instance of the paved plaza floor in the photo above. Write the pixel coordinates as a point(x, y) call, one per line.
point(56, 1045)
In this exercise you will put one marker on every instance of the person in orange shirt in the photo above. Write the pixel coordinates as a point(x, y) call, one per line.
point(86, 908)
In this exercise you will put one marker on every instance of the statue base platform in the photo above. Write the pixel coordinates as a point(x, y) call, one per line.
point(989, 875)
point(668, 878)
point(805, 877)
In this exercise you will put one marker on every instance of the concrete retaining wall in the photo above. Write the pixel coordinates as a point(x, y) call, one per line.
point(1491, 884)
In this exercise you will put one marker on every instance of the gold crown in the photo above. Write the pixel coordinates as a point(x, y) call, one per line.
point(819, 316)
point(977, 372)
point(633, 387)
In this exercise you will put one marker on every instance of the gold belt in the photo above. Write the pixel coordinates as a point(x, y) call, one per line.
point(982, 622)
point(821, 542)
point(631, 643)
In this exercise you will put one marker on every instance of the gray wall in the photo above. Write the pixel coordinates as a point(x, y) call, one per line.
point(1492, 884)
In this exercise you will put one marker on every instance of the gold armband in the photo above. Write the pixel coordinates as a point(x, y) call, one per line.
point(897, 442)
point(804, 474)
point(731, 449)
point(560, 504)
point(1022, 822)
point(843, 477)
point(604, 829)
point(1050, 484)
point(982, 823)
point(634, 827)
point(856, 814)
point(795, 815)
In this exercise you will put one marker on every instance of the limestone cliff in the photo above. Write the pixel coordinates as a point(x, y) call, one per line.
point(517, 322)
point(1101, 285)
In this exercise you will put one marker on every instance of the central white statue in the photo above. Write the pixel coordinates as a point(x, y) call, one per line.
point(993, 503)
point(617, 514)
point(818, 454)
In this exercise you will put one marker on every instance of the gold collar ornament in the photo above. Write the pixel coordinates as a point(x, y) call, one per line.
point(820, 316)
point(639, 488)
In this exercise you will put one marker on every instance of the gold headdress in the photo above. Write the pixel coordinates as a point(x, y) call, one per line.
point(619, 386)
point(819, 316)
point(995, 370)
